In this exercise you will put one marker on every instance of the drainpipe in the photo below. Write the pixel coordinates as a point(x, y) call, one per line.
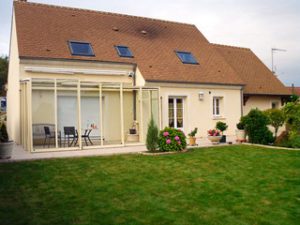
point(242, 102)
point(134, 93)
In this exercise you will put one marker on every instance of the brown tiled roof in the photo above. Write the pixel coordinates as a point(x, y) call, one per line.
point(43, 32)
point(257, 77)
point(294, 90)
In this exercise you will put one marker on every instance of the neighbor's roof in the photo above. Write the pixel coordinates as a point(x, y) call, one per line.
point(255, 74)
point(294, 90)
point(44, 30)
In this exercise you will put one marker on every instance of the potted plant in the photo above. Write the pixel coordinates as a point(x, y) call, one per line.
point(192, 135)
point(6, 145)
point(214, 136)
point(222, 127)
point(240, 132)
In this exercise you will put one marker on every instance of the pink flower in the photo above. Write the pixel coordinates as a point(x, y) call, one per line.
point(166, 134)
point(177, 138)
point(168, 141)
point(178, 142)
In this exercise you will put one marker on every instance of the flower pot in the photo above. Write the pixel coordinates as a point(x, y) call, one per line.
point(214, 139)
point(240, 135)
point(6, 149)
point(223, 139)
point(192, 141)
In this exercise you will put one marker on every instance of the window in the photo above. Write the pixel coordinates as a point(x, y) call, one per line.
point(81, 48)
point(124, 51)
point(186, 57)
point(217, 106)
point(176, 112)
point(275, 105)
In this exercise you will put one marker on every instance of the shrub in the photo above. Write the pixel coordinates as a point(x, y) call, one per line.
point(294, 139)
point(171, 139)
point(292, 115)
point(240, 126)
point(3, 134)
point(256, 127)
point(193, 132)
point(276, 118)
point(221, 126)
point(152, 136)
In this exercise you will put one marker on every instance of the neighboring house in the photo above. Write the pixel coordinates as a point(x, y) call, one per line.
point(82, 73)
point(263, 89)
point(294, 90)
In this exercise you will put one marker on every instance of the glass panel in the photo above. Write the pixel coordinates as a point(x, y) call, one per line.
point(111, 114)
point(67, 112)
point(179, 123)
point(155, 106)
point(186, 57)
point(146, 104)
point(43, 116)
point(124, 51)
point(131, 107)
point(179, 113)
point(90, 114)
point(79, 48)
point(171, 122)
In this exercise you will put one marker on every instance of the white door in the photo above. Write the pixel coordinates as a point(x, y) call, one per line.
point(176, 112)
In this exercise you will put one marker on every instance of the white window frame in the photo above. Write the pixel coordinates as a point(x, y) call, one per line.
point(217, 106)
point(175, 111)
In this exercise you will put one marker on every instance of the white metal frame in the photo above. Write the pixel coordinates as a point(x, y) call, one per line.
point(28, 98)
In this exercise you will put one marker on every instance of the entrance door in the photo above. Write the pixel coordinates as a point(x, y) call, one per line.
point(176, 110)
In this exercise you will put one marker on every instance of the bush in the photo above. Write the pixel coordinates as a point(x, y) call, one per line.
point(256, 127)
point(294, 139)
point(152, 136)
point(3, 134)
point(276, 118)
point(240, 126)
point(171, 139)
point(221, 126)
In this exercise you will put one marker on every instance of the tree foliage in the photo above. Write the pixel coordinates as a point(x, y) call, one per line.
point(152, 136)
point(256, 127)
point(3, 72)
point(276, 118)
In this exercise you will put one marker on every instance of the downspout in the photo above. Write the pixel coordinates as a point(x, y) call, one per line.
point(242, 102)
point(134, 92)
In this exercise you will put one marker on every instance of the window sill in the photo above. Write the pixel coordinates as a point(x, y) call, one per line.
point(218, 118)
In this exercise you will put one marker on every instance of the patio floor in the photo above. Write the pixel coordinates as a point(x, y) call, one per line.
point(19, 154)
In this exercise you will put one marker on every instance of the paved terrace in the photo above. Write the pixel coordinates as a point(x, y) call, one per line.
point(19, 154)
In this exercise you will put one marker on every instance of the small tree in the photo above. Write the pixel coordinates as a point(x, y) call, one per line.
point(221, 126)
point(152, 136)
point(276, 118)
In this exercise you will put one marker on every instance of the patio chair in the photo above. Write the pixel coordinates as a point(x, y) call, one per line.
point(49, 136)
point(86, 136)
point(71, 134)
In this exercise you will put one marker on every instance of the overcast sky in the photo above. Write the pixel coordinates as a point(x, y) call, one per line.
point(256, 24)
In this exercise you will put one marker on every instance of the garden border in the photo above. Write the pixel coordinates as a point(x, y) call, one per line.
point(272, 147)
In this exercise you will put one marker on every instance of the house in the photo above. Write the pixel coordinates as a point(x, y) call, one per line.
point(101, 76)
point(294, 90)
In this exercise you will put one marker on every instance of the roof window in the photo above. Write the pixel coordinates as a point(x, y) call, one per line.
point(81, 48)
point(124, 51)
point(186, 57)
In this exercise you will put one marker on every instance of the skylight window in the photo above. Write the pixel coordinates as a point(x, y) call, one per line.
point(124, 51)
point(186, 57)
point(81, 48)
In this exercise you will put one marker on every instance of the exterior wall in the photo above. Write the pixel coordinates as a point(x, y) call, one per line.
point(199, 113)
point(260, 102)
point(13, 88)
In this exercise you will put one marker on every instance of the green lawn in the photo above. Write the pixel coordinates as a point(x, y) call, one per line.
point(231, 185)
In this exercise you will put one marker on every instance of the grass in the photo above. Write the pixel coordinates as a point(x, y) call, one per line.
point(233, 185)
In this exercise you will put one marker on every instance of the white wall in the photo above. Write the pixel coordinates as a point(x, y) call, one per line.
point(199, 113)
